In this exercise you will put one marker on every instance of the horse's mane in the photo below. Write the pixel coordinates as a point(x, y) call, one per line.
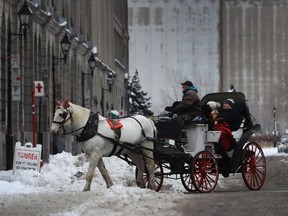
point(78, 110)
point(78, 106)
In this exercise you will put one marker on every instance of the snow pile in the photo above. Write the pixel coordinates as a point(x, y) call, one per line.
point(67, 173)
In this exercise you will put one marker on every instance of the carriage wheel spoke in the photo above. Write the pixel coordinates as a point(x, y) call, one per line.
point(205, 171)
point(253, 166)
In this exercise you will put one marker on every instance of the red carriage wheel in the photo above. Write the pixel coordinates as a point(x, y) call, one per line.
point(253, 166)
point(186, 178)
point(205, 172)
point(158, 176)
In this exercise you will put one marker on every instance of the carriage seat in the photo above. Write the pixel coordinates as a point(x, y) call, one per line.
point(201, 119)
point(165, 116)
point(238, 133)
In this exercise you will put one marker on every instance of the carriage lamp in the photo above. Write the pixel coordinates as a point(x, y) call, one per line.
point(110, 81)
point(92, 63)
point(24, 15)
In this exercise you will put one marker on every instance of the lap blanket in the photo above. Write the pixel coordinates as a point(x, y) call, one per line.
point(226, 135)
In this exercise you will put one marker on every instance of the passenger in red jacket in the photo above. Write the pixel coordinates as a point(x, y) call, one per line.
point(227, 121)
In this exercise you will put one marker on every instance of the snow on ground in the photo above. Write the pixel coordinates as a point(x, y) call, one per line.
point(66, 173)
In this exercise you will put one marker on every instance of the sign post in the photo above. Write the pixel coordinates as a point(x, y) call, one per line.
point(33, 119)
point(37, 92)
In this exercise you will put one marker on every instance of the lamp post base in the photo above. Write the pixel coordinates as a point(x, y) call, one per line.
point(9, 151)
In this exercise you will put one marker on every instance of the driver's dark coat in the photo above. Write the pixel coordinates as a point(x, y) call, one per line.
point(190, 104)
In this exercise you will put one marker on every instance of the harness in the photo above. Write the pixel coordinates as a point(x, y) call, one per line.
point(116, 126)
point(90, 129)
point(124, 145)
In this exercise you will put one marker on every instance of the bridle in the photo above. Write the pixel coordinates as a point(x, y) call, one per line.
point(65, 119)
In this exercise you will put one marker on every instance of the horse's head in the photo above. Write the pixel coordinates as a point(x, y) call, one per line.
point(62, 118)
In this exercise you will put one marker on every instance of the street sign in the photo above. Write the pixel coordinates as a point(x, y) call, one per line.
point(16, 83)
point(16, 93)
point(39, 88)
point(15, 60)
point(121, 113)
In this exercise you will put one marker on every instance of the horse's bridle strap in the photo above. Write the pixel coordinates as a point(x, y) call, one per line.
point(64, 121)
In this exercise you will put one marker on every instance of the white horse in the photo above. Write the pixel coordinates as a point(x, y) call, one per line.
point(99, 140)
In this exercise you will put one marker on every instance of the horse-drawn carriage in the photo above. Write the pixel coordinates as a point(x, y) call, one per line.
point(197, 163)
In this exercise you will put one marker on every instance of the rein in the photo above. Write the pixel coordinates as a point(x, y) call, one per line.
point(125, 145)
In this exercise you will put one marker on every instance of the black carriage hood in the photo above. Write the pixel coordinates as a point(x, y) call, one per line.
point(240, 104)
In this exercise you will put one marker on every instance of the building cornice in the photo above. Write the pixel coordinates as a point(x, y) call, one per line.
point(42, 17)
point(81, 47)
point(54, 27)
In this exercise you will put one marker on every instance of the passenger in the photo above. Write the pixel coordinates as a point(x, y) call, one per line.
point(187, 109)
point(226, 121)
point(230, 115)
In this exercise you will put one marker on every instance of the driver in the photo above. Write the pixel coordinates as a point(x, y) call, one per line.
point(187, 109)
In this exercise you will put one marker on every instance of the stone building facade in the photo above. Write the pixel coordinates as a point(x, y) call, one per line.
point(93, 26)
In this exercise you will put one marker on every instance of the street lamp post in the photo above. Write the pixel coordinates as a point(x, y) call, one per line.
point(92, 65)
point(127, 93)
point(274, 130)
point(65, 47)
point(110, 81)
point(24, 15)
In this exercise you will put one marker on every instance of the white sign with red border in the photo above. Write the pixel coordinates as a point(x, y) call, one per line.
point(26, 157)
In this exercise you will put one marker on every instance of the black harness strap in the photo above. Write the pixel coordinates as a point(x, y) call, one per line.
point(143, 132)
point(116, 144)
point(123, 146)
point(90, 129)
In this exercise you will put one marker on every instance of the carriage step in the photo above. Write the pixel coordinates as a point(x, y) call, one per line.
point(151, 139)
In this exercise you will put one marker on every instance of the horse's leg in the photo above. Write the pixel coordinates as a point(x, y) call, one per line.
point(93, 162)
point(148, 157)
point(139, 162)
point(104, 173)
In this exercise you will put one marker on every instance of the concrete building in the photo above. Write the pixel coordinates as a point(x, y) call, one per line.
point(215, 44)
point(93, 26)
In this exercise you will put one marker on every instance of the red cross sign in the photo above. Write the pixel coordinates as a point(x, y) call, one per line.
point(39, 88)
